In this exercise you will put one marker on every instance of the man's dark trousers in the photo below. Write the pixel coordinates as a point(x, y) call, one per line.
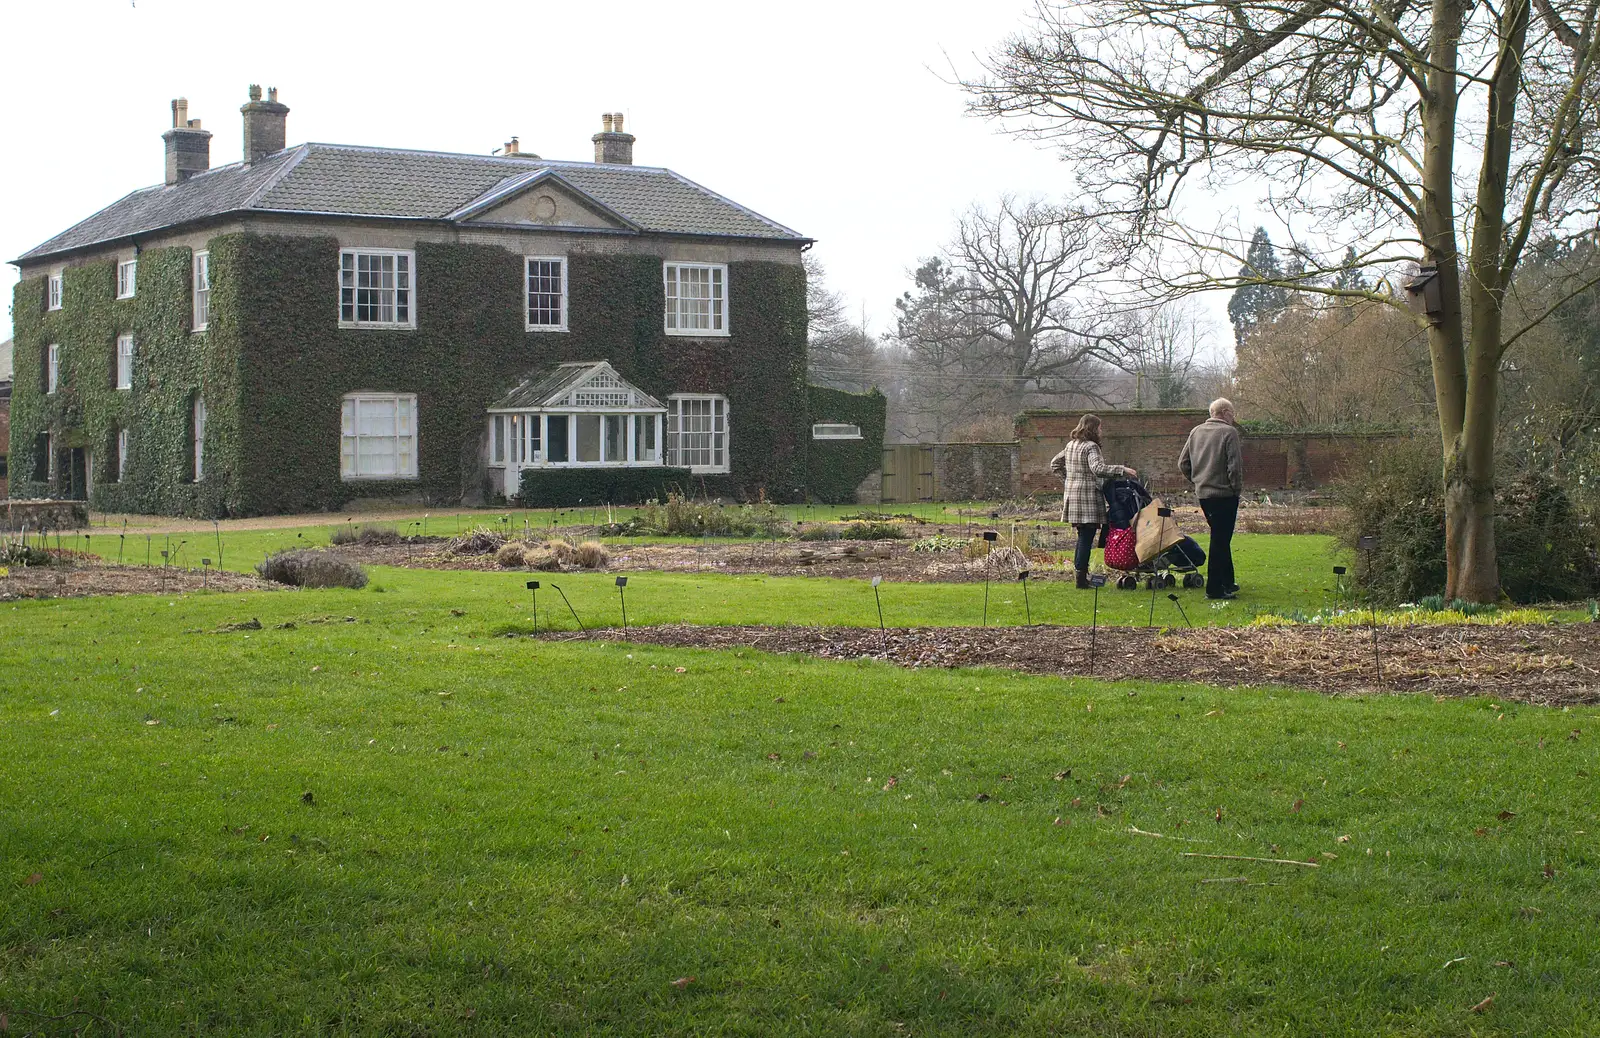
point(1221, 514)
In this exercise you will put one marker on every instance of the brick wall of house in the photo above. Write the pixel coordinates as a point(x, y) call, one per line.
point(1151, 441)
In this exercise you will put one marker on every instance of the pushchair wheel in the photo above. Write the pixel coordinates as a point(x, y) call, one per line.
point(1193, 580)
point(1128, 582)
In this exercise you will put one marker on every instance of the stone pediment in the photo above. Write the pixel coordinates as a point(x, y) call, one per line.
point(541, 198)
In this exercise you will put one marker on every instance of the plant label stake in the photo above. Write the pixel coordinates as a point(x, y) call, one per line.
point(1023, 576)
point(988, 559)
point(881, 632)
point(205, 573)
point(571, 610)
point(622, 582)
point(1096, 581)
point(1369, 544)
point(1185, 615)
point(533, 585)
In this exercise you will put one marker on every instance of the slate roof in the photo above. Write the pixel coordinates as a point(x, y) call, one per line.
point(548, 387)
point(391, 183)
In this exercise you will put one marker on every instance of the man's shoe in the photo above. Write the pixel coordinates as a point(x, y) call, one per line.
point(1225, 596)
point(1233, 589)
point(1083, 578)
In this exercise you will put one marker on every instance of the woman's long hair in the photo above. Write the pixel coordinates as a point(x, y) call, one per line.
point(1088, 429)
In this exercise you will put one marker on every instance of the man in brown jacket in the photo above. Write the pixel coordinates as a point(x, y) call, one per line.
point(1213, 461)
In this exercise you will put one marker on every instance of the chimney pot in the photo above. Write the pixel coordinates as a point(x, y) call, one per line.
point(188, 147)
point(266, 124)
point(611, 145)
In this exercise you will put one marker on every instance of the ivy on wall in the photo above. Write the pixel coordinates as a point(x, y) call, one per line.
point(170, 367)
point(274, 366)
point(837, 467)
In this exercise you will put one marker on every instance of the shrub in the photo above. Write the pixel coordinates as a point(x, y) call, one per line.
point(1547, 550)
point(563, 488)
point(874, 530)
point(681, 517)
point(365, 535)
point(20, 553)
point(482, 541)
point(312, 567)
point(939, 543)
point(510, 555)
point(822, 532)
point(592, 555)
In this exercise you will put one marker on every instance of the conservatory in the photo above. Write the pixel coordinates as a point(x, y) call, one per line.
point(583, 414)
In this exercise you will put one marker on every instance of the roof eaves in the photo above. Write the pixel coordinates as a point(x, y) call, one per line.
point(34, 253)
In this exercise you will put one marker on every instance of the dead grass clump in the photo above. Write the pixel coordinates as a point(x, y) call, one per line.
point(510, 555)
point(366, 535)
point(482, 541)
point(312, 567)
point(542, 560)
point(563, 551)
point(591, 555)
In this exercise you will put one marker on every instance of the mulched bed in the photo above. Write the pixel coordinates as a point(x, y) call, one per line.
point(84, 578)
point(1544, 665)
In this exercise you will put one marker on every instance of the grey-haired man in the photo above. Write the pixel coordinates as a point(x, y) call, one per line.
point(1213, 460)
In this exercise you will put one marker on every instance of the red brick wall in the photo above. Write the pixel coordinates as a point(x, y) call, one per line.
point(1151, 441)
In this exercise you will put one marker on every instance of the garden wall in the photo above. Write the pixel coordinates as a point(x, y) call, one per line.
point(1151, 440)
point(976, 471)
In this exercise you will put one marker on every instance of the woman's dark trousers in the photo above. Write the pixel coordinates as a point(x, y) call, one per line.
point(1086, 535)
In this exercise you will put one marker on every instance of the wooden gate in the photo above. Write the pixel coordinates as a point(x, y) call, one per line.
point(907, 473)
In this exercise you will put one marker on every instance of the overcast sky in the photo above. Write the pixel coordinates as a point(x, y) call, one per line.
point(835, 118)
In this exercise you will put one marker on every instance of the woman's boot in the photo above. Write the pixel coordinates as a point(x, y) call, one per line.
point(1083, 578)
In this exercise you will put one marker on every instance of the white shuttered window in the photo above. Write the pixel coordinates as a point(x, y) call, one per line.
point(379, 439)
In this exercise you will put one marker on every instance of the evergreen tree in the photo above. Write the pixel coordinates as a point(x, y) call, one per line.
point(1254, 303)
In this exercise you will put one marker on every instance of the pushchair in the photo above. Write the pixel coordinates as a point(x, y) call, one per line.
point(1141, 541)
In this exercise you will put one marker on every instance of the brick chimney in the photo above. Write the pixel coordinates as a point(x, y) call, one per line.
point(188, 146)
point(266, 124)
point(611, 145)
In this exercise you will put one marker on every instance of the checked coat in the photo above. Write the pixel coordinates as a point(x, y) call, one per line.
point(1083, 468)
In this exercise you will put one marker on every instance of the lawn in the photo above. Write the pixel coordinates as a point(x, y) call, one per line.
point(512, 837)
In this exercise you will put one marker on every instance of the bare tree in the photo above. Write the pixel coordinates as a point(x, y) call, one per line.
point(1025, 271)
point(1161, 345)
point(1350, 115)
point(839, 352)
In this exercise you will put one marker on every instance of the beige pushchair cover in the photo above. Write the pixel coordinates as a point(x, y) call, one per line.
point(1154, 533)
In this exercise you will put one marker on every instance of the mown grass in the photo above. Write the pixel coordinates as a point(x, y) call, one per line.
point(510, 837)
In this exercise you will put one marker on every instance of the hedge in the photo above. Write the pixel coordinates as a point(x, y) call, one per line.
point(564, 488)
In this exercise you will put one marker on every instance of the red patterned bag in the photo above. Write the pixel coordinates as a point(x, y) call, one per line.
point(1121, 549)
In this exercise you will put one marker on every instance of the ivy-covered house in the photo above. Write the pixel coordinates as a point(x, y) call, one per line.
point(323, 323)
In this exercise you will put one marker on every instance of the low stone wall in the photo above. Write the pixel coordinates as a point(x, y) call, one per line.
point(44, 515)
point(1151, 440)
point(976, 472)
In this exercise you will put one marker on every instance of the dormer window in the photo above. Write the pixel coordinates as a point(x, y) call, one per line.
point(697, 298)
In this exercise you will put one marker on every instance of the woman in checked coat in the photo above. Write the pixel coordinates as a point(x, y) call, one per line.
point(1083, 505)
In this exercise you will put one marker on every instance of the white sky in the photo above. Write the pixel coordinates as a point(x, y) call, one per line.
point(829, 116)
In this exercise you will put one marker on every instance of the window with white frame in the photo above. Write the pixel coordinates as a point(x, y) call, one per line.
point(375, 288)
point(121, 467)
point(697, 298)
point(197, 425)
point(53, 292)
point(379, 436)
point(835, 431)
point(547, 293)
point(697, 432)
point(127, 276)
point(52, 367)
point(124, 362)
point(202, 291)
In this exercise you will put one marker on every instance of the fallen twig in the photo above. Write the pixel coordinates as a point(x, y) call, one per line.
point(1242, 857)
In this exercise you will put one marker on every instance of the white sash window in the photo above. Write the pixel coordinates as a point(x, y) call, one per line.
point(379, 436)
